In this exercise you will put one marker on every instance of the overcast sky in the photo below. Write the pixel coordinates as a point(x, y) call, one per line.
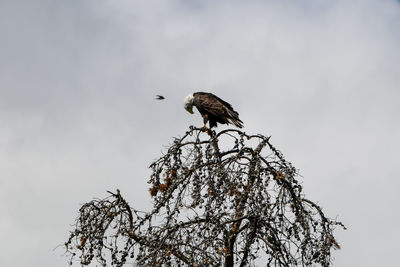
point(78, 115)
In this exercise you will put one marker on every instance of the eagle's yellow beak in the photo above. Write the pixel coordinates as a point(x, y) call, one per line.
point(190, 110)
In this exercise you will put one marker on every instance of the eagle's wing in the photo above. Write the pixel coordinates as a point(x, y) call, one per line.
point(223, 111)
point(212, 104)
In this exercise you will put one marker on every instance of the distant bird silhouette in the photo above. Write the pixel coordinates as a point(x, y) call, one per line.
point(159, 97)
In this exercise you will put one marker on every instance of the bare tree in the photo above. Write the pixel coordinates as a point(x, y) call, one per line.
point(224, 200)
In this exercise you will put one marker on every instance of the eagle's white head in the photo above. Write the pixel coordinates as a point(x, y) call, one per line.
point(188, 103)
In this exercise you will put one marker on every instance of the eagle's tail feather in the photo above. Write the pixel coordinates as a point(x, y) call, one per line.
point(234, 119)
point(238, 123)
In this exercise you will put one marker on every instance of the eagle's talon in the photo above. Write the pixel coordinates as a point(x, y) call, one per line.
point(206, 130)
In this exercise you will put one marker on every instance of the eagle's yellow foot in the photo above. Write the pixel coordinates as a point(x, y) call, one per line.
point(206, 129)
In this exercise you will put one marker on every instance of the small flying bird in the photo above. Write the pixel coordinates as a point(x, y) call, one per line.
point(159, 97)
point(213, 109)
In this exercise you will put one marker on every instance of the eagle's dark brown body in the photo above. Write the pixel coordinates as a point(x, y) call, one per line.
point(213, 109)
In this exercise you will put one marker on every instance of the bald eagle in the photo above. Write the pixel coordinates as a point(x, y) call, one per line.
point(213, 109)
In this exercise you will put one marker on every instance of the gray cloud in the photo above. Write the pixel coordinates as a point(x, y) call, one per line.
point(78, 79)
